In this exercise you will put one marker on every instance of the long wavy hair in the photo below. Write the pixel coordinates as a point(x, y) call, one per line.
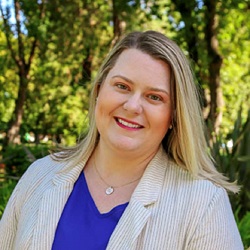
point(185, 144)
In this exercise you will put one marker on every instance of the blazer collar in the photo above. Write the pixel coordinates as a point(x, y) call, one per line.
point(138, 211)
point(68, 174)
point(149, 188)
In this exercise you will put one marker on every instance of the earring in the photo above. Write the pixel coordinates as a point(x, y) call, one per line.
point(170, 127)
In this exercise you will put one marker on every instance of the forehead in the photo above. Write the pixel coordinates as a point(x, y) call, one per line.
point(140, 57)
point(141, 67)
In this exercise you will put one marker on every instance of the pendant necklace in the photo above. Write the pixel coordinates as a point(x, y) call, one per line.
point(110, 189)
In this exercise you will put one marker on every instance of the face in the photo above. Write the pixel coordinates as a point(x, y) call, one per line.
point(133, 109)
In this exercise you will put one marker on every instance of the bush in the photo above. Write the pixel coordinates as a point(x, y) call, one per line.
point(244, 226)
point(17, 158)
point(233, 159)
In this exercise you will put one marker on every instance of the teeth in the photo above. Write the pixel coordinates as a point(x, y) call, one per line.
point(127, 124)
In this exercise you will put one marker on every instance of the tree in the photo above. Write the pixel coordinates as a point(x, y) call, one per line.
point(202, 29)
point(23, 54)
point(234, 39)
point(8, 80)
point(215, 62)
point(60, 45)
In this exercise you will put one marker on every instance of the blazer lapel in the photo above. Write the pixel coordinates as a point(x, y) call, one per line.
point(52, 205)
point(138, 211)
point(129, 226)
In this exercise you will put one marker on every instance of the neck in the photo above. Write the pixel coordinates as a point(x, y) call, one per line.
point(120, 166)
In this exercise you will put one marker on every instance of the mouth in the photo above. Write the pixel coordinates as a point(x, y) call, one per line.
point(127, 124)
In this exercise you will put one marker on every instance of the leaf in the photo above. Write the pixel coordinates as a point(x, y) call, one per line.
point(243, 158)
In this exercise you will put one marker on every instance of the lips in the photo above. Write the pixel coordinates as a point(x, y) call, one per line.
point(128, 124)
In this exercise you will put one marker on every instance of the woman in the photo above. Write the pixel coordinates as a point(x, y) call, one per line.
point(141, 178)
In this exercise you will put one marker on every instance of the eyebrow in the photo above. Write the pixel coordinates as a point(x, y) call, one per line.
point(151, 88)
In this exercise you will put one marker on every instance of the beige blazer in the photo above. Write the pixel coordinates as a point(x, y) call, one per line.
point(168, 210)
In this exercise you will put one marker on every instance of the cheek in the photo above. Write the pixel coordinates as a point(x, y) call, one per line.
point(101, 101)
point(100, 118)
point(162, 120)
point(98, 110)
point(103, 107)
point(108, 101)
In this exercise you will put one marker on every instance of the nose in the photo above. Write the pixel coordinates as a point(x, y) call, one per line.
point(133, 104)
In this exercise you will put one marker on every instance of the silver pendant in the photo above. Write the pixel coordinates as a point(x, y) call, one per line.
point(109, 190)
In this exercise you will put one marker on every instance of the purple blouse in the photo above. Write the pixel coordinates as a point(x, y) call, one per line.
point(81, 225)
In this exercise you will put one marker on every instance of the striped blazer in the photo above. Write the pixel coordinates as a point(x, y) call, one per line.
point(168, 210)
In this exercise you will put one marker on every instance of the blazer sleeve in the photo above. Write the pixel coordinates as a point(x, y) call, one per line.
point(10, 219)
point(8, 223)
point(217, 229)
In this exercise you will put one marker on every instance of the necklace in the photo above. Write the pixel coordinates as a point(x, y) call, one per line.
point(110, 189)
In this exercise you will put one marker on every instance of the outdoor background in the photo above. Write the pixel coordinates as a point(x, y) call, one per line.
point(50, 51)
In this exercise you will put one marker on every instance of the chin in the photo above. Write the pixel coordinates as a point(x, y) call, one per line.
point(126, 146)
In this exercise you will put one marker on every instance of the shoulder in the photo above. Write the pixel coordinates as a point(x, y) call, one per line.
point(204, 208)
point(184, 180)
point(43, 167)
point(41, 171)
point(177, 183)
point(194, 193)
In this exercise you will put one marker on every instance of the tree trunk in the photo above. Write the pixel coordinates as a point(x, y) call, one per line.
point(186, 9)
point(87, 66)
point(16, 120)
point(117, 24)
point(215, 63)
point(191, 34)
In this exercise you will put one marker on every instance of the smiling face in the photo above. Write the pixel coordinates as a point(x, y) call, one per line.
point(133, 111)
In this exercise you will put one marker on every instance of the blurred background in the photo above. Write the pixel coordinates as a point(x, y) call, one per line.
point(50, 51)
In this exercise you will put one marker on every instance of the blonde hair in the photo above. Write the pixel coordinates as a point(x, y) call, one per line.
point(185, 143)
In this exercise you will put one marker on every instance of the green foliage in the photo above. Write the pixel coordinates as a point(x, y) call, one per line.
point(233, 158)
point(17, 158)
point(56, 108)
point(71, 32)
point(232, 155)
point(8, 83)
point(234, 39)
point(243, 225)
point(15, 161)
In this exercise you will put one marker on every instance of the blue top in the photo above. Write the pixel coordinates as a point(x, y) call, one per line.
point(81, 225)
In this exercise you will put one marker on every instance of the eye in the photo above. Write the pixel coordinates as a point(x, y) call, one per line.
point(122, 86)
point(155, 97)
